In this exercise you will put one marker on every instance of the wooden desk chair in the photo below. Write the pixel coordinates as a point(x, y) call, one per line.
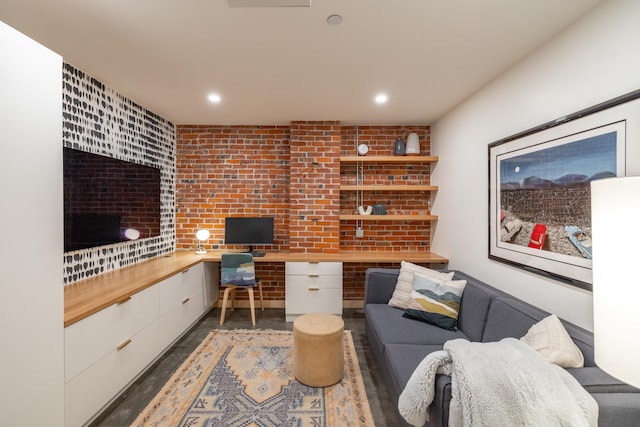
point(238, 271)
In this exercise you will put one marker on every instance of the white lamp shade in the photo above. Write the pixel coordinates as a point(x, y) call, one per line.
point(202, 235)
point(615, 215)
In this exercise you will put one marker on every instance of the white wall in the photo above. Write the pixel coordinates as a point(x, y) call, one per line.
point(31, 289)
point(593, 61)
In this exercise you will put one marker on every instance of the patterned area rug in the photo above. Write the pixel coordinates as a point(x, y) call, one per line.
point(245, 378)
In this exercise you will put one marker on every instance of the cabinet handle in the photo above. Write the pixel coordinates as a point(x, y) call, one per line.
point(314, 275)
point(186, 300)
point(314, 289)
point(123, 300)
point(123, 345)
point(184, 271)
point(314, 262)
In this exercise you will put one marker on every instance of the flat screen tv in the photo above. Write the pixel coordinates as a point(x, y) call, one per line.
point(248, 231)
point(107, 200)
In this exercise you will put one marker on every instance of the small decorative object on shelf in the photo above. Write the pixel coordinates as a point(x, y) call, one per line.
point(398, 147)
point(379, 209)
point(365, 211)
point(363, 149)
point(413, 145)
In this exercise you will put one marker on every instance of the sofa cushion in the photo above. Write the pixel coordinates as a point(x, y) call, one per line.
point(617, 409)
point(435, 302)
point(595, 380)
point(379, 285)
point(403, 359)
point(391, 327)
point(509, 317)
point(552, 341)
point(400, 297)
point(474, 305)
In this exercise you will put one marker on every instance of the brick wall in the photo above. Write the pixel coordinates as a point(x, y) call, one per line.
point(314, 193)
point(234, 171)
point(293, 173)
point(231, 171)
point(386, 235)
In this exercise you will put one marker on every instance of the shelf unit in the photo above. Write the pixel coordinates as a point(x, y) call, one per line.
point(389, 217)
point(389, 159)
point(388, 187)
point(404, 187)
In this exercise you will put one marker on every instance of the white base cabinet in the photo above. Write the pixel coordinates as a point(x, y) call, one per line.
point(108, 350)
point(312, 287)
point(181, 303)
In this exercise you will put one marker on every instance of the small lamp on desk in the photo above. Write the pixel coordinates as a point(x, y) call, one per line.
point(202, 235)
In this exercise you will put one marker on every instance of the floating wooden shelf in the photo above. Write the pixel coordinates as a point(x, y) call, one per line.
point(403, 187)
point(388, 217)
point(389, 159)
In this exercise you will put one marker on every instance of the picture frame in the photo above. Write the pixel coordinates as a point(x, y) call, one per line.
point(539, 188)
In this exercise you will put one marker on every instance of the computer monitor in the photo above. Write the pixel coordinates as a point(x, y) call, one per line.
point(248, 231)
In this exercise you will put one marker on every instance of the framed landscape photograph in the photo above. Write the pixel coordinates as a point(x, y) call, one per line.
point(540, 193)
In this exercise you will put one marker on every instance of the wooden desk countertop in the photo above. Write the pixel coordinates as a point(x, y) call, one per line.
point(88, 296)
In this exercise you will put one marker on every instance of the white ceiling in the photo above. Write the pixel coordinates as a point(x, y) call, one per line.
point(274, 65)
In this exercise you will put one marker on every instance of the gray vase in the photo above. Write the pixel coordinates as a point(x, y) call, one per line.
point(398, 147)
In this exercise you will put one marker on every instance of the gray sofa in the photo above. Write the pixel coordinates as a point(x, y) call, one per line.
point(486, 314)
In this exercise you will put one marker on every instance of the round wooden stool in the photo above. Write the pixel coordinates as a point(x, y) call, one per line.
point(318, 353)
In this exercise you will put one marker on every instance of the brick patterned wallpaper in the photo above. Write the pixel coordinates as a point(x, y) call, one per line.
point(293, 173)
point(99, 120)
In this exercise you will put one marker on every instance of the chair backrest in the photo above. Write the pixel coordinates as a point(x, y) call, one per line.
point(238, 269)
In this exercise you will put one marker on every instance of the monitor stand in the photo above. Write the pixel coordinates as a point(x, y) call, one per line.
point(255, 253)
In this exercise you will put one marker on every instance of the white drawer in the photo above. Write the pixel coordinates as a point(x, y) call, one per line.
point(176, 288)
point(90, 339)
point(313, 268)
point(301, 301)
point(174, 322)
point(90, 391)
point(313, 282)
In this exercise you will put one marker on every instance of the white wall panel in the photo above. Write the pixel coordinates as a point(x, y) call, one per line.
point(590, 62)
point(31, 287)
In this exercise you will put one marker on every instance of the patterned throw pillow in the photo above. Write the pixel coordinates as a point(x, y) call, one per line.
point(550, 338)
point(434, 302)
point(400, 297)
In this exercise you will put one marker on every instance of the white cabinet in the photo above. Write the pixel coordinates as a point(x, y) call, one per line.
point(181, 303)
point(108, 350)
point(89, 392)
point(93, 338)
point(312, 287)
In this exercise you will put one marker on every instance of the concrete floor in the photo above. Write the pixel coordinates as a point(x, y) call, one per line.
point(127, 407)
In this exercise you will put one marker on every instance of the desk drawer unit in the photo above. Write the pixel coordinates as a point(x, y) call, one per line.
point(312, 287)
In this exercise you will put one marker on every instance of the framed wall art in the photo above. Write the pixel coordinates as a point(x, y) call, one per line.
point(540, 193)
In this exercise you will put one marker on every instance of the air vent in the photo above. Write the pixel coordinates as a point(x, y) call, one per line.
point(269, 3)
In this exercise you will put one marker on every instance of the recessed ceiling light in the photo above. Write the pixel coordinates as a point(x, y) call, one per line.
point(381, 98)
point(214, 98)
point(334, 19)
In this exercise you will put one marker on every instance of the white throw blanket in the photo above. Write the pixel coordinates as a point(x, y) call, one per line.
point(503, 383)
